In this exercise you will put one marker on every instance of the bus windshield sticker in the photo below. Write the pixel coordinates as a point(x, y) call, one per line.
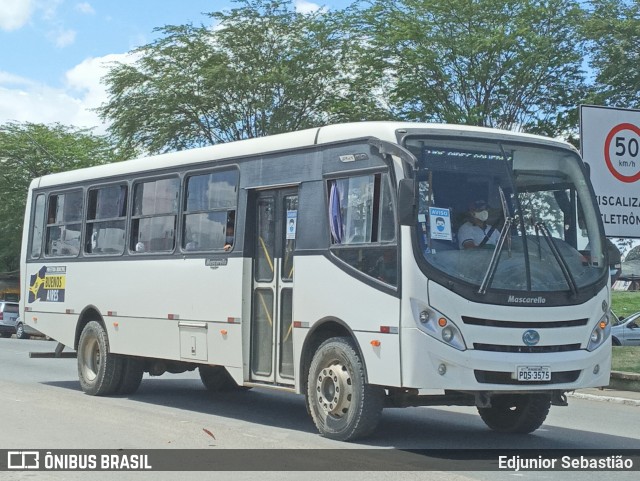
point(292, 222)
point(440, 222)
point(48, 285)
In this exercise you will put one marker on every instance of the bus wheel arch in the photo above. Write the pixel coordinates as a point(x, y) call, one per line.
point(320, 332)
point(88, 314)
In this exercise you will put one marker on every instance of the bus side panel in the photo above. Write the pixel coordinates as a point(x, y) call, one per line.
point(144, 303)
point(323, 291)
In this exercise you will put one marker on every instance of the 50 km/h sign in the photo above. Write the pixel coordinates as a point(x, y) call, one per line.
point(622, 152)
point(610, 144)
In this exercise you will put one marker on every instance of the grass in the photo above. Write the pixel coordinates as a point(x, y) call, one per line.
point(625, 358)
point(625, 303)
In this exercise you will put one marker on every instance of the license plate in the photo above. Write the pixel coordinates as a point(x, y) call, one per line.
point(533, 373)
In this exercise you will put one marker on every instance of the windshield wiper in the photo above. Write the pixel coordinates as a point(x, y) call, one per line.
point(506, 228)
point(566, 272)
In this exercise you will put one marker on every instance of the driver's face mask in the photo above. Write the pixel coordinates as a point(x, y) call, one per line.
point(481, 215)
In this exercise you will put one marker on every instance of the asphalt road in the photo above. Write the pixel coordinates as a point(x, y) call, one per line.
point(44, 408)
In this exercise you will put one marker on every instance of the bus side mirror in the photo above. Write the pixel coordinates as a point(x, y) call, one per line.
point(587, 170)
point(407, 214)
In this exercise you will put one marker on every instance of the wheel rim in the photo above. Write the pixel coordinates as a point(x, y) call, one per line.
point(334, 389)
point(19, 332)
point(91, 359)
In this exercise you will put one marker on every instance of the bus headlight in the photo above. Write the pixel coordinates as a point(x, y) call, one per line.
point(441, 328)
point(600, 333)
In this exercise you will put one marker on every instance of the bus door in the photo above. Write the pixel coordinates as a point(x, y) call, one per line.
point(272, 293)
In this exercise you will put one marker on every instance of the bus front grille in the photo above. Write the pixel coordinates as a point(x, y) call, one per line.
point(526, 349)
point(477, 321)
point(497, 377)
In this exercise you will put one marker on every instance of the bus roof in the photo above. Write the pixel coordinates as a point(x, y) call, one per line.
point(281, 142)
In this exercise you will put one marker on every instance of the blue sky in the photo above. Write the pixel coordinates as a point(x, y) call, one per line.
point(52, 52)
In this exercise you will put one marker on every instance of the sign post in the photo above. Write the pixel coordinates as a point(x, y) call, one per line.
point(610, 145)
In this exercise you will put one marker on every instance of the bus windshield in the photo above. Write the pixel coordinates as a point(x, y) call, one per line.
point(501, 216)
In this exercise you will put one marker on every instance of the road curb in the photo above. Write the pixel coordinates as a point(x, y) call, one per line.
point(605, 398)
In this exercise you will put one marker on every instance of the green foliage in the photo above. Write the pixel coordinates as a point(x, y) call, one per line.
point(509, 64)
point(263, 69)
point(28, 151)
point(613, 28)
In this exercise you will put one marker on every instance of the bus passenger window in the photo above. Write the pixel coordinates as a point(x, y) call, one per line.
point(209, 211)
point(64, 224)
point(362, 223)
point(154, 216)
point(106, 219)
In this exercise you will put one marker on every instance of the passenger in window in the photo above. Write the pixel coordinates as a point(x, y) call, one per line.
point(140, 247)
point(475, 232)
point(386, 267)
point(230, 231)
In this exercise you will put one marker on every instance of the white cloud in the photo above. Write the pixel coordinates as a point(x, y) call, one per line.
point(25, 100)
point(14, 14)
point(302, 6)
point(63, 38)
point(85, 8)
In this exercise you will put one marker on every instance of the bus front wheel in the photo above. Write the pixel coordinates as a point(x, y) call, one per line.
point(99, 370)
point(516, 413)
point(342, 405)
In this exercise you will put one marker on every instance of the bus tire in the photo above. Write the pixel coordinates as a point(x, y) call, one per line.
point(99, 370)
point(20, 334)
point(217, 379)
point(516, 413)
point(342, 405)
point(131, 376)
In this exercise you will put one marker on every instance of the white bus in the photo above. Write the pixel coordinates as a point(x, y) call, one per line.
point(327, 263)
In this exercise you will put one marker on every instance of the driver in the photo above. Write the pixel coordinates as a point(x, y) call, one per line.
point(475, 232)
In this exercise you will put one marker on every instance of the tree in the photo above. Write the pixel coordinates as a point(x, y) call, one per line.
point(263, 69)
point(613, 29)
point(510, 64)
point(31, 150)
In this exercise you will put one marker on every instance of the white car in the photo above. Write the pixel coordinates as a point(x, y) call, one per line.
point(8, 318)
point(626, 332)
point(24, 331)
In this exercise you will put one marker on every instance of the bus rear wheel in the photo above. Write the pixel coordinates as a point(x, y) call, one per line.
point(516, 413)
point(131, 376)
point(342, 405)
point(99, 371)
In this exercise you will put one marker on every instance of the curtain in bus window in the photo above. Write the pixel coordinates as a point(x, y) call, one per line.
point(335, 214)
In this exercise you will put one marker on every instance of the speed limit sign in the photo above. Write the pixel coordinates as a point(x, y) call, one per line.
point(622, 152)
point(610, 144)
